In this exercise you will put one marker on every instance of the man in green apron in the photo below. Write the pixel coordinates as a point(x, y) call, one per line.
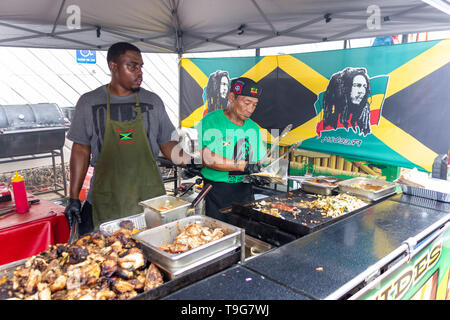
point(119, 129)
point(231, 147)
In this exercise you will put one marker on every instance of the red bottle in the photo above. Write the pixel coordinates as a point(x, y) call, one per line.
point(20, 195)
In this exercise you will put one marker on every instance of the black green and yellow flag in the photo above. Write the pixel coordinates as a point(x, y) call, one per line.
point(385, 104)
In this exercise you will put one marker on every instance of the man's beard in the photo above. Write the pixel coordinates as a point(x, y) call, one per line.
point(134, 90)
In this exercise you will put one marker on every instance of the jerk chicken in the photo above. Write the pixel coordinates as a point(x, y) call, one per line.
point(95, 267)
point(193, 236)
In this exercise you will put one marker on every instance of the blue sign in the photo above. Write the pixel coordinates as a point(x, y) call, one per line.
point(86, 56)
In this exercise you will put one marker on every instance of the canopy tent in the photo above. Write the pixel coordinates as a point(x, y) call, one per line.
point(188, 26)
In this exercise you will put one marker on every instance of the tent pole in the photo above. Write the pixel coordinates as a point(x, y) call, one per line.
point(180, 56)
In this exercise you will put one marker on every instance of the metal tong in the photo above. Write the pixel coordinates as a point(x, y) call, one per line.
point(73, 232)
point(272, 165)
point(276, 142)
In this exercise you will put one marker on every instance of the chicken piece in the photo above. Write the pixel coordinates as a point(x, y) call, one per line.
point(51, 273)
point(126, 224)
point(60, 295)
point(77, 254)
point(105, 294)
point(44, 291)
point(90, 273)
point(98, 240)
point(108, 267)
point(33, 279)
point(124, 236)
point(83, 241)
point(153, 277)
point(117, 246)
point(120, 285)
point(138, 285)
point(124, 273)
point(58, 284)
point(133, 260)
point(127, 295)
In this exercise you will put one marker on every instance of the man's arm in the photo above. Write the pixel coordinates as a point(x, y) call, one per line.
point(79, 163)
point(217, 162)
point(172, 151)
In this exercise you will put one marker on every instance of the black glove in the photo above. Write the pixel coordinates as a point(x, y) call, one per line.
point(73, 210)
point(252, 168)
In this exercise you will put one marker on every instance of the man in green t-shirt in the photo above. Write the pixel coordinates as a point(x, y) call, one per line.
point(231, 146)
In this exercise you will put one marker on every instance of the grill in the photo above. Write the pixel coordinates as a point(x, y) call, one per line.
point(286, 228)
point(32, 131)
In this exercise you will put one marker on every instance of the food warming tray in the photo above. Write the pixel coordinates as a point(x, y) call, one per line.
point(178, 264)
point(155, 215)
point(320, 185)
point(373, 195)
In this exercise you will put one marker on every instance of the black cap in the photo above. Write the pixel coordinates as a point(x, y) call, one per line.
point(245, 87)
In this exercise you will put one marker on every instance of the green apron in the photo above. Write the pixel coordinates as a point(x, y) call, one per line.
point(126, 171)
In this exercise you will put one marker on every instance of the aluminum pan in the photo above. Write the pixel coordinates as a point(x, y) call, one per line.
point(155, 217)
point(310, 186)
point(153, 238)
point(346, 186)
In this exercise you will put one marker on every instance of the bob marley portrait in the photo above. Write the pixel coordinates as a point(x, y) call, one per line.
point(345, 101)
point(217, 91)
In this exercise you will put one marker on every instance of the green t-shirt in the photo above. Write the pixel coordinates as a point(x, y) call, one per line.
point(231, 141)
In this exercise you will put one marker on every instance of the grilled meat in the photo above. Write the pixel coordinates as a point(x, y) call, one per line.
point(193, 236)
point(134, 259)
point(93, 268)
point(153, 278)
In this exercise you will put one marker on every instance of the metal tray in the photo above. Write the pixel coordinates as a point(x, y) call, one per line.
point(155, 217)
point(177, 264)
point(309, 185)
point(346, 186)
point(108, 228)
point(427, 193)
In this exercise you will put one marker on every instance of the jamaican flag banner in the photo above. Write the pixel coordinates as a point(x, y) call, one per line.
point(385, 104)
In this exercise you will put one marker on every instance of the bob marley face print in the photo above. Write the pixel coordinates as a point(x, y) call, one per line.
point(345, 101)
point(359, 88)
point(224, 87)
point(217, 91)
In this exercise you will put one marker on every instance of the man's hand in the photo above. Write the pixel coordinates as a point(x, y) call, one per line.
point(73, 211)
point(252, 168)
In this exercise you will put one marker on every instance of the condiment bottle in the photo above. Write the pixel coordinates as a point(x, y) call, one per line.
point(20, 195)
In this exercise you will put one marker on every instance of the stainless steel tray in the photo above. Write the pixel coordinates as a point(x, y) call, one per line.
point(347, 186)
point(176, 264)
point(309, 185)
point(155, 217)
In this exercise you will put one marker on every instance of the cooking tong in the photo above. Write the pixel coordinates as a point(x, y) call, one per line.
point(277, 170)
point(276, 142)
point(73, 232)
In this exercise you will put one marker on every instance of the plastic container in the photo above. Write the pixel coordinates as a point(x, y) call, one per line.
point(20, 194)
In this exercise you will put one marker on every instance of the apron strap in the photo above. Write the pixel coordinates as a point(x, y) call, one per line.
point(137, 107)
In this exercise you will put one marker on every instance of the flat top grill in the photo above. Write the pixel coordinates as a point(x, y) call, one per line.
point(303, 220)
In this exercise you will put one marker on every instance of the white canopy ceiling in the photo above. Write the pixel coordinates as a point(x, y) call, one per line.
point(188, 26)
